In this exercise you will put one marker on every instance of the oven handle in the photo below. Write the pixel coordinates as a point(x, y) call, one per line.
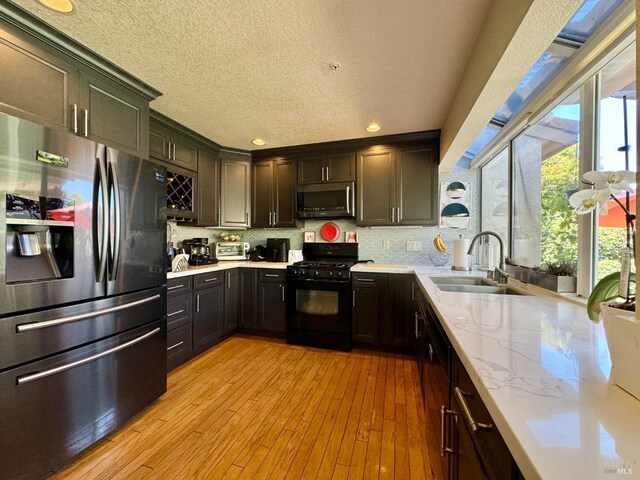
point(326, 282)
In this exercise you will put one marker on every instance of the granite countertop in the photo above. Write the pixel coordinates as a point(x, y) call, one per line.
point(542, 368)
point(225, 265)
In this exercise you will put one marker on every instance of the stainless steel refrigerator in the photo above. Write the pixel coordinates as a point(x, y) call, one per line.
point(82, 293)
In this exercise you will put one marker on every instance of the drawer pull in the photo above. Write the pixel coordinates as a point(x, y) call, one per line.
point(83, 316)
point(368, 280)
point(177, 286)
point(210, 280)
point(444, 413)
point(175, 313)
point(466, 413)
point(175, 346)
point(271, 275)
point(77, 363)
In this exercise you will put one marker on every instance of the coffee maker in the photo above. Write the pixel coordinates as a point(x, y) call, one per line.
point(199, 251)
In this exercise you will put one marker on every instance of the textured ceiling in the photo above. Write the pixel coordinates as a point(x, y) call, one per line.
point(234, 70)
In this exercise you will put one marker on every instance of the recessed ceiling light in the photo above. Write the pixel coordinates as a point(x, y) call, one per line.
point(258, 141)
point(60, 6)
point(372, 127)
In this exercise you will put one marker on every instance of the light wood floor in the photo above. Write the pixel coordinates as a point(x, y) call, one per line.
point(258, 408)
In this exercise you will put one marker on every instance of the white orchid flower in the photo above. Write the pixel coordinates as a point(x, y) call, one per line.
point(614, 182)
point(585, 201)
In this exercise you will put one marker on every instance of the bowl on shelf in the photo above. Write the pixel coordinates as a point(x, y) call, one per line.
point(439, 259)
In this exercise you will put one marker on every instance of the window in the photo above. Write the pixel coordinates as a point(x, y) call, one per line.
point(495, 195)
point(617, 80)
point(546, 171)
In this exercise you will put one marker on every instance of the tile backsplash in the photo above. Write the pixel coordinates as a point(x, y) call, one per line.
point(370, 240)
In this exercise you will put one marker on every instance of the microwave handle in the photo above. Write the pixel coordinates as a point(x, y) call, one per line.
point(348, 199)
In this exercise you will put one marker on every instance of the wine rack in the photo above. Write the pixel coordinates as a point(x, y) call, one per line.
point(181, 194)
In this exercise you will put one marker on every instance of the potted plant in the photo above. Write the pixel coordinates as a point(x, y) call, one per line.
point(557, 276)
point(613, 297)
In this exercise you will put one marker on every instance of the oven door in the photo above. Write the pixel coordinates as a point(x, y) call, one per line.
point(319, 313)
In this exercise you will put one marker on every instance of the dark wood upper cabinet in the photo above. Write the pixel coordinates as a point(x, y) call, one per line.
point(171, 146)
point(112, 115)
point(235, 189)
point(274, 193)
point(261, 195)
point(397, 185)
point(35, 84)
point(208, 188)
point(339, 167)
point(54, 81)
point(376, 187)
point(417, 185)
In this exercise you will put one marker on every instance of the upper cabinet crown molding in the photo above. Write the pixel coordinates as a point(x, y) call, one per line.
point(32, 25)
point(425, 136)
point(164, 121)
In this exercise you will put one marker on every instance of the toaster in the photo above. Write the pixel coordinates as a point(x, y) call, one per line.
point(232, 251)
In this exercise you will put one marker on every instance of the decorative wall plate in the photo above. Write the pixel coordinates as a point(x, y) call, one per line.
point(330, 232)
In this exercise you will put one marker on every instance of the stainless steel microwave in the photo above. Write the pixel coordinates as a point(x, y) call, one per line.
point(326, 200)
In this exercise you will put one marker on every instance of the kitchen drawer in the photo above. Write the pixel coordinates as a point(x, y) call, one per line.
point(489, 444)
point(179, 346)
point(207, 280)
point(365, 280)
point(179, 310)
point(177, 286)
point(271, 275)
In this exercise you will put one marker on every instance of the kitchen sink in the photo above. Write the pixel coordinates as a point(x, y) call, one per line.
point(461, 281)
point(492, 289)
point(473, 285)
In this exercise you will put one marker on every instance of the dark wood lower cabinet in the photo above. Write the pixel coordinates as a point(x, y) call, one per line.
point(383, 312)
point(208, 316)
point(231, 299)
point(271, 306)
point(452, 404)
point(247, 317)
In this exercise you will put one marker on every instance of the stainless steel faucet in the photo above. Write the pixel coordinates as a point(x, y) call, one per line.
point(499, 274)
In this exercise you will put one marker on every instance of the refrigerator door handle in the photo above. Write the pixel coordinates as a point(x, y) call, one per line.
point(26, 327)
point(104, 248)
point(68, 366)
point(117, 218)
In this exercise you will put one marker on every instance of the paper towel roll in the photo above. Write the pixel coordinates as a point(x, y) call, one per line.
point(460, 257)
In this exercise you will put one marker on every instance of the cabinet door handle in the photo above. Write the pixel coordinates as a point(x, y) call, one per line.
point(322, 171)
point(168, 150)
point(86, 122)
point(444, 413)
point(175, 346)
point(393, 215)
point(282, 287)
point(228, 280)
point(270, 218)
point(430, 348)
point(415, 317)
point(198, 303)
point(398, 215)
point(466, 413)
point(246, 216)
point(74, 111)
point(353, 302)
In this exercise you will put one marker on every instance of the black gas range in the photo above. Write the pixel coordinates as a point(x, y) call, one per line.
point(319, 296)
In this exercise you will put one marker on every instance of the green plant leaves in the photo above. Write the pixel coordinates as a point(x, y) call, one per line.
point(604, 291)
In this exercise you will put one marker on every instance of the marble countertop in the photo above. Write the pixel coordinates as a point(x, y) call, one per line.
point(542, 368)
point(225, 266)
